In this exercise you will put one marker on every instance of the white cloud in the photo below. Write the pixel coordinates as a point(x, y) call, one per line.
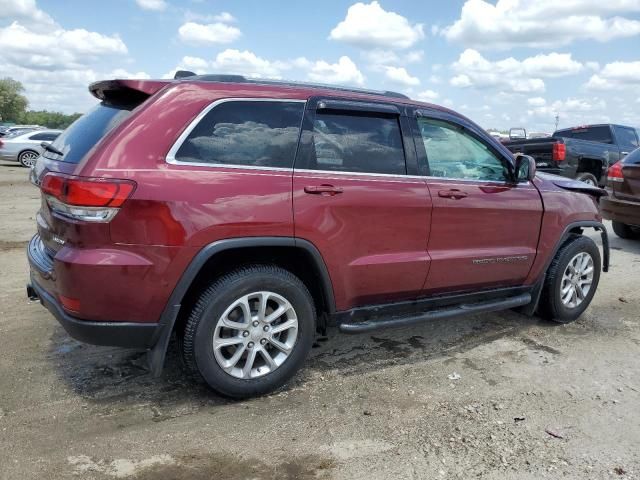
point(154, 5)
point(370, 26)
point(245, 63)
point(536, 101)
point(223, 17)
point(381, 57)
point(23, 46)
point(401, 76)
point(572, 111)
point(24, 10)
point(427, 96)
point(474, 70)
point(543, 23)
point(616, 75)
point(208, 34)
point(54, 64)
point(344, 72)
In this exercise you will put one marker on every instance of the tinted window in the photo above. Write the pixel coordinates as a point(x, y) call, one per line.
point(453, 153)
point(633, 158)
point(88, 130)
point(45, 137)
point(354, 143)
point(626, 138)
point(600, 134)
point(246, 133)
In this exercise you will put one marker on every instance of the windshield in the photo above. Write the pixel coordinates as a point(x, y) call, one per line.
point(87, 131)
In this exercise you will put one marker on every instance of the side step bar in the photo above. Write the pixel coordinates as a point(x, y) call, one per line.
point(438, 314)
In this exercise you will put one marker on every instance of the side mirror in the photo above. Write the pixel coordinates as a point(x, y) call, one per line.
point(525, 168)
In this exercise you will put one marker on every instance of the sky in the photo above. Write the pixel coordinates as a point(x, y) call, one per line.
point(503, 63)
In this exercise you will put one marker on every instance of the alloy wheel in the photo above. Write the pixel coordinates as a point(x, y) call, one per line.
point(576, 280)
point(255, 335)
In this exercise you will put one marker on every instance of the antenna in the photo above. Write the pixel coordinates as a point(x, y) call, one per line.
point(557, 120)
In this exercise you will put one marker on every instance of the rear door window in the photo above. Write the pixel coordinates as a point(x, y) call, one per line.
point(354, 142)
point(245, 133)
point(600, 134)
point(626, 137)
point(87, 131)
point(45, 137)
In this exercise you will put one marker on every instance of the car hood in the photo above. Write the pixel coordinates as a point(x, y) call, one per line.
point(569, 184)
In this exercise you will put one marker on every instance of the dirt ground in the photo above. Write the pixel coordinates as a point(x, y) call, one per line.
point(533, 400)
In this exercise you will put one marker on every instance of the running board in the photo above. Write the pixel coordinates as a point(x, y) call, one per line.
point(438, 314)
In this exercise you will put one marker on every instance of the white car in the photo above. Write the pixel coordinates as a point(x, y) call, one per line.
point(25, 148)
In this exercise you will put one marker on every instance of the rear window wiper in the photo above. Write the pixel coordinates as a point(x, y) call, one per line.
point(51, 148)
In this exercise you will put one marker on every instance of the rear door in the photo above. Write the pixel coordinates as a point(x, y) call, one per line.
point(357, 198)
point(629, 188)
point(484, 226)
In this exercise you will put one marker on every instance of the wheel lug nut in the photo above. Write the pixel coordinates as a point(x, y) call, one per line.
point(263, 341)
point(266, 328)
point(255, 323)
point(245, 334)
point(250, 345)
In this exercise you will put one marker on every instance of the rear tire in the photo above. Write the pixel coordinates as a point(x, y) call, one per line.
point(28, 158)
point(234, 339)
point(587, 178)
point(624, 231)
point(575, 267)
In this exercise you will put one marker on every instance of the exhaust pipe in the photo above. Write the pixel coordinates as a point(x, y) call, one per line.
point(31, 292)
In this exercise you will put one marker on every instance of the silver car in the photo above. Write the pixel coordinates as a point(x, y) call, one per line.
point(25, 148)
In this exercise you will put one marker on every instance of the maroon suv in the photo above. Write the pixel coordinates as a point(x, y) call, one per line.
point(244, 216)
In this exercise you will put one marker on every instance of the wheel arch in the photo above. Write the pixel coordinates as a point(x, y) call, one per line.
point(574, 228)
point(591, 165)
point(299, 256)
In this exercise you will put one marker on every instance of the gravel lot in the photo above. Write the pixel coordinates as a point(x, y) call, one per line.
point(532, 399)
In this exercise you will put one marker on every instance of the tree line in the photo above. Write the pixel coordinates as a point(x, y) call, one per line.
point(13, 108)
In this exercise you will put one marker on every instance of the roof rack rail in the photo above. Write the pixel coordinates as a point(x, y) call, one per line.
point(183, 74)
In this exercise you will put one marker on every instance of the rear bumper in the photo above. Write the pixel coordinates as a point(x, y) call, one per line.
point(117, 334)
point(620, 211)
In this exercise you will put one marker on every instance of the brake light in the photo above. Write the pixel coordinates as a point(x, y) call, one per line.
point(86, 198)
point(614, 174)
point(559, 152)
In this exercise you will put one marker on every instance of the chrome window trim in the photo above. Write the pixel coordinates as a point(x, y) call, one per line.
point(171, 155)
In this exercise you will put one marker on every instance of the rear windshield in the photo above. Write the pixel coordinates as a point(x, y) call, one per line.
point(85, 132)
point(601, 134)
point(633, 158)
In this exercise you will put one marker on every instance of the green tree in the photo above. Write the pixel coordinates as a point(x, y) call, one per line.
point(48, 119)
point(12, 102)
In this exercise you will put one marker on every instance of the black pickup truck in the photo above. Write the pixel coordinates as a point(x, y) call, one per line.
point(584, 153)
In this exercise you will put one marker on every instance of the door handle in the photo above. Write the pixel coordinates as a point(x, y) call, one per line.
point(453, 193)
point(327, 190)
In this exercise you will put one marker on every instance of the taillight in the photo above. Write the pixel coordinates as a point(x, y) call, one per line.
point(86, 198)
point(559, 152)
point(614, 174)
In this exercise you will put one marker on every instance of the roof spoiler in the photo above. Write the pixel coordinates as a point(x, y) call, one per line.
point(126, 91)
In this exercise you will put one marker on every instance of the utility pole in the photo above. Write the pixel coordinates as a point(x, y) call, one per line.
point(557, 120)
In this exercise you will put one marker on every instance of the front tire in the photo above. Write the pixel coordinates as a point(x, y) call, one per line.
point(250, 331)
point(571, 281)
point(28, 158)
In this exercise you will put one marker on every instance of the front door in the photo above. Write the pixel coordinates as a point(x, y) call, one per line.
point(485, 225)
point(354, 199)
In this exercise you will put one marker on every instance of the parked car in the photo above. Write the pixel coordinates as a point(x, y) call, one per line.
point(622, 205)
point(18, 130)
point(246, 215)
point(584, 153)
point(26, 147)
